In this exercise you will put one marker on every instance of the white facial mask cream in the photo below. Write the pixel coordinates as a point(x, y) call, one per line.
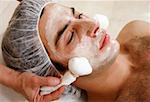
point(90, 47)
point(78, 66)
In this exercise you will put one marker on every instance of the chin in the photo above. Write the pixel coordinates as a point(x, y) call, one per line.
point(107, 55)
point(114, 51)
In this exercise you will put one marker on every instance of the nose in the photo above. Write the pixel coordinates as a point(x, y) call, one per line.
point(93, 32)
point(88, 27)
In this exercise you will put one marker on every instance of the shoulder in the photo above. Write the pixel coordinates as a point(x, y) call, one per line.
point(135, 40)
point(134, 29)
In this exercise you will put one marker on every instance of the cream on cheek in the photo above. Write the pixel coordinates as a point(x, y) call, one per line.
point(89, 48)
point(86, 48)
point(49, 28)
point(106, 55)
point(83, 48)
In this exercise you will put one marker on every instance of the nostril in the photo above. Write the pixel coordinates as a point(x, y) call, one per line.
point(92, 32)
point(96, 30)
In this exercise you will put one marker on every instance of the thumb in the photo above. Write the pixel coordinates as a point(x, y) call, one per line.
point(49, 81)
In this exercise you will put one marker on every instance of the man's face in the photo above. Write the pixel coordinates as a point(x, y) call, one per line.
point(70, 33)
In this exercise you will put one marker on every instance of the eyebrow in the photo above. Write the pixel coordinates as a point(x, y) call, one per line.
point(60, 32)
point(73, 10)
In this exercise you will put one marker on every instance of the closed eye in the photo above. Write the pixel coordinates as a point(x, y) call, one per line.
point(80, 15)
point(70, 37)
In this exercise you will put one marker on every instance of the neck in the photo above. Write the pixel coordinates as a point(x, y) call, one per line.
point(112, 81)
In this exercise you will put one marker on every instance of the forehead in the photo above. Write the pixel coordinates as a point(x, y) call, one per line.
point(56, 16)
point(56, 8)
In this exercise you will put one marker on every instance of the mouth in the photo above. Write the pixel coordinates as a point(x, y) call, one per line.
point(104, 41)
point(105, 37)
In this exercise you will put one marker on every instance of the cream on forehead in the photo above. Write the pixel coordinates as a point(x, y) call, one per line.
point(50, 24)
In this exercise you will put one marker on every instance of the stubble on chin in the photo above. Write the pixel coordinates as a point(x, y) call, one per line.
point(99, 70)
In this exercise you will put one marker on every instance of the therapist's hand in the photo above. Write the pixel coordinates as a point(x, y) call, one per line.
point(29, 85)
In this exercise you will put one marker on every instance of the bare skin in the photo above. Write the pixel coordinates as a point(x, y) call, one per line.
point(110, 83)
point(134, 56)
point(137, 47)
point(132, 79)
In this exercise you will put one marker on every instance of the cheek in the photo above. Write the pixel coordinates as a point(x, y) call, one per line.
point(86, 48)
point(59, 56)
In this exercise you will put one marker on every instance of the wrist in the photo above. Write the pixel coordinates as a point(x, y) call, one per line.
point(9, 77)
point(16, 84)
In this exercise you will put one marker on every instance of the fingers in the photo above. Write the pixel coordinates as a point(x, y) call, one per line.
point(54, 95)
point(50, 97)
point(49, 81)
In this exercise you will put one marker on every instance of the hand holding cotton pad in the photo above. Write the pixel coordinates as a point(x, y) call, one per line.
point(78, 66)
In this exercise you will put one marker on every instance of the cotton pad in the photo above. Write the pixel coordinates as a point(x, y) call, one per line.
point(78, 66)
point(67, 79)
point(102, 20)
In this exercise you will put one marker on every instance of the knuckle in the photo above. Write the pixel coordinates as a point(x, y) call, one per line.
point(35, 80)
point(46, 80)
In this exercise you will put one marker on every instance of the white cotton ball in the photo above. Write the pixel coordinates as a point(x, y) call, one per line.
point(79, 66)
point(102, 20)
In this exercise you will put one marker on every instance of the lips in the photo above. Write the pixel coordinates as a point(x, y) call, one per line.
point(105, 37)
point(103, 42)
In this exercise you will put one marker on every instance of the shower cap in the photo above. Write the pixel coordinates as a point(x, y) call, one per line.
point(22, 47)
